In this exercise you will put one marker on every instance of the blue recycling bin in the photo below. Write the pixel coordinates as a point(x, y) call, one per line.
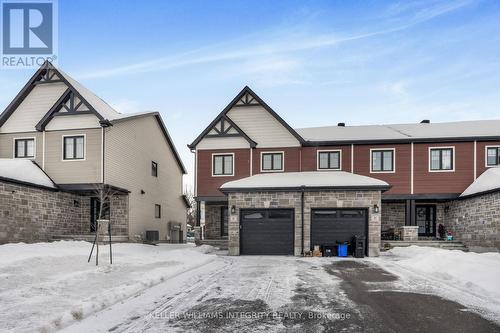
point(342, 250)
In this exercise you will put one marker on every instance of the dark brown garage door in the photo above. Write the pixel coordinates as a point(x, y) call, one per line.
point(266, 231)
point(329, 226)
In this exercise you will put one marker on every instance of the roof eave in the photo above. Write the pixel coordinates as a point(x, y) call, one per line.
point(308, 188)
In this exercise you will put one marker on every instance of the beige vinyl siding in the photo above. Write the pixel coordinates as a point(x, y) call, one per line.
point(7, 144)
point(223, 143)
point(130, 147)
point(262, 127)
point(73, 122)
point(78, 171)
point(33, 108)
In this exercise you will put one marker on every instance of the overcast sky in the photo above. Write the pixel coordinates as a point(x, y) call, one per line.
point(315, 62)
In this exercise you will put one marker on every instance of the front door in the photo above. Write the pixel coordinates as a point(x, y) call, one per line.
point(425, 216)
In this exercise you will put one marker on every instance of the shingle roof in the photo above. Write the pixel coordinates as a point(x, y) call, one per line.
point(308, 179)
point(459, 129)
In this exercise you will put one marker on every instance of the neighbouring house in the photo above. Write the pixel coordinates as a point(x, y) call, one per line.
point(60, 144)
point(267, 188)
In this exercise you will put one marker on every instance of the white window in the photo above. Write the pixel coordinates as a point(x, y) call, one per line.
point(223, 165)
point(382, 160)
point(74, 147)
point(24, 148)
point(441, 159)
point(329, 160)
point(271, 161)
point(492, 156)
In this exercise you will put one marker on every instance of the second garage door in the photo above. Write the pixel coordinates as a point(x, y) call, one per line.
point(329, 226)
point(266, 231)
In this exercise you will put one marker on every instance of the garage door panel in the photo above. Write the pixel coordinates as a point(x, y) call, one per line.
point(337, 225)
point(267, 231)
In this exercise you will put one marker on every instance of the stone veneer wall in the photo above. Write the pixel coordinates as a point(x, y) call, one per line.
point(213, 221)
point(32, 214)
point(393, 215)
point(476, 221)
point(323, 199)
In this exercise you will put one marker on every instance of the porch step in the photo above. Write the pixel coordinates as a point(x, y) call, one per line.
point(447, 245)
point(220, 243)
point(90, 238)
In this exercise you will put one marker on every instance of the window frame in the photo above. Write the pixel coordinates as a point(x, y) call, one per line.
point(223, 174)
point(154, 169)
point(74, 136)
point(486, 148)
point(429, 156)
point(393, 150)
point(318, 153)
point(14, 145)
point(158, 216)
point(262, 153)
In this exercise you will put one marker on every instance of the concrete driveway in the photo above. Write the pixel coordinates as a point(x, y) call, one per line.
point(285, 294)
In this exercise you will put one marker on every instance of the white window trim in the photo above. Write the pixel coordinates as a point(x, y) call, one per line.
point(212, 166)
point(273, 152)
point(24, 138)
point(393, 160)
point(446, 147)
point(84, 148)
point(486, 157)
point(329, 151)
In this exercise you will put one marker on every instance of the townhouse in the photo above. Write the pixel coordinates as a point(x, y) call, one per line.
point(61, 147)
point(267, 188)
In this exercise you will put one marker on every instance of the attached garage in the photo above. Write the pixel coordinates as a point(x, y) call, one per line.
point(332, 225)
point(290, 212)
point(267, 231)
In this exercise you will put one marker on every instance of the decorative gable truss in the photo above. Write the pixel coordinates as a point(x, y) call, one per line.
point(225, 127)
point(247, 100)
point(48, 74)
point(70, 103)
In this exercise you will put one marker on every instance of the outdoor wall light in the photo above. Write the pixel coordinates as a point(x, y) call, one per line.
point(376, 209)
point(233, 209)
point(142, 192)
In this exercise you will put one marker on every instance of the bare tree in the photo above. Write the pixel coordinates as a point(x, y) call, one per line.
point(105, 194)
point(192, 211)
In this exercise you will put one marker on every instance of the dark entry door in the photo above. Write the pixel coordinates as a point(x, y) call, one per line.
point(329, 226)
point(425, 216)
point(267, 231)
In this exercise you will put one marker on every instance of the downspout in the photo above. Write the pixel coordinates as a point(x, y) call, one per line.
point(302, 190)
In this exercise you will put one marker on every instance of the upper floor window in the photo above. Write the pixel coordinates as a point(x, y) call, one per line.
point(382, 160)
point(492, 156)
point(157, 211)
point(74, 147)
point(329, 160)
point(154, 169)
point(222, 165)
point(272, 161)
point(24, 148)
point(441, 159)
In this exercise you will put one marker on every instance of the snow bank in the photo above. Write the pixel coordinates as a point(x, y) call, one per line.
point(478, 271)
point(46, 286)
point(471, 279)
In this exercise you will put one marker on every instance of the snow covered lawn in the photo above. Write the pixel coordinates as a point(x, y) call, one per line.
point(469, 278)
point(46, 286)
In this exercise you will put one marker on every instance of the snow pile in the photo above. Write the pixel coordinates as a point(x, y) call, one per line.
point(46, 286)
point(25, 171)
point(489, 180)
point(471, 279)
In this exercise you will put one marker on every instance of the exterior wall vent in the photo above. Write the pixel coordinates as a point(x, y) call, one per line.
point(341, 124)
point(425, 121)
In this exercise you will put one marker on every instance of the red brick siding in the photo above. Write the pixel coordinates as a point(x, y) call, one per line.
point(208, 185)
point(310, 162)
point(400, 180)
point(443, 182)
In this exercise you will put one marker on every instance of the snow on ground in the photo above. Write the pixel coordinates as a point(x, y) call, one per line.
point(469, 278)
point(46, 286)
